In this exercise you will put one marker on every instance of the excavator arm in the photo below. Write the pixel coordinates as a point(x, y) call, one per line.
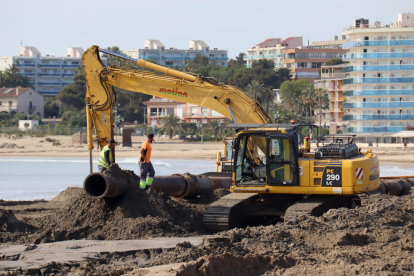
point(230, 101)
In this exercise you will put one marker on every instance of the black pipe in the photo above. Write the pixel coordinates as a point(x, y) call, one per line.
point(115, 182)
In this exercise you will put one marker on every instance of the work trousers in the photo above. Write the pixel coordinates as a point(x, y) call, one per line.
point(147, 174)
point(101, 168)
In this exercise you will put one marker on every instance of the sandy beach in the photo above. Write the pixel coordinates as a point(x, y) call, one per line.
point(151, 233)
point(165, 148)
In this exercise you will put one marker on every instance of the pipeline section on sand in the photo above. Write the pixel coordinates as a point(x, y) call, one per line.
point(115, 182)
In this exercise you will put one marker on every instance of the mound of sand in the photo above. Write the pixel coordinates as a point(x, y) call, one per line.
point(376, 238)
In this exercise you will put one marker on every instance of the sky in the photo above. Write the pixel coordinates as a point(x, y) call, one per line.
point(52, 26)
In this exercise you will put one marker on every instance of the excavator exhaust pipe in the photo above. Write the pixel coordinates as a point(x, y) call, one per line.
point(100, 185)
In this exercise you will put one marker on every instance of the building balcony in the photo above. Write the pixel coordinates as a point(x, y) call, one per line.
point(50, 65)
point(25, 65)
point(389, 55)
point(376, 129)
point(50, 83)
point(376, 68)
point(49, 93)
point(31, 108)
point(149, 57)
point(28, 74)
point(71, 65)
point(6, 107)
point(218, 58)
point(68, 75)
point(173, 58)
point(332, 75)
point(378, 80)
point(155, 114)
point(379, 105)
point(395, 117)
point(49, 75)
point(66, 83)
point(377, 43)
point(396, 92)
point(200, 115)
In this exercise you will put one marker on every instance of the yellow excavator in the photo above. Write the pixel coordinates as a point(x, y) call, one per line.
point(271, 175)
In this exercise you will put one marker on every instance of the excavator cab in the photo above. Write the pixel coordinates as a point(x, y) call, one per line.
point(266, 157)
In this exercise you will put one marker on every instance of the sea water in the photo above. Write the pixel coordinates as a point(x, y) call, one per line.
point(43, 178)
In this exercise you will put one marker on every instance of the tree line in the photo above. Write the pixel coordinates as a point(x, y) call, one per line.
point(299, 97)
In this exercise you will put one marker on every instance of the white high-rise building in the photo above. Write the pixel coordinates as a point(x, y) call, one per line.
point(379, 81)
point(49, 74)
point(172, 57)
point(272, 49)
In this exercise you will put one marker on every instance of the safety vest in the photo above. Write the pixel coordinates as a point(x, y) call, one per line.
point(102, 160)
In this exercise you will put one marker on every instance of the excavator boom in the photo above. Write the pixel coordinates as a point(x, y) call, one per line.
point(230, 101)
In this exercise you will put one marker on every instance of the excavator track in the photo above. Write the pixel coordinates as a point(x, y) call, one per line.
point(222, 214)
point(317, 205)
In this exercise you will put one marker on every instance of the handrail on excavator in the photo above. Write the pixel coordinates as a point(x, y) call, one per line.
point(153, 66)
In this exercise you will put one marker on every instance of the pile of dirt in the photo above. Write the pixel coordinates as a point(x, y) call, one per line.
point(10, 146)
point(135, 215)
point(376, 238)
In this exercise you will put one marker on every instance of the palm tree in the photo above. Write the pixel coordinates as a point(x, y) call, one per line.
point(255, 89)
point(170, 122)
point(309, 97)
point(268, 96)
point(214, 126)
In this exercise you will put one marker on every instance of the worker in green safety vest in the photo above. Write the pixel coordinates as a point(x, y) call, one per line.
point(106, 158)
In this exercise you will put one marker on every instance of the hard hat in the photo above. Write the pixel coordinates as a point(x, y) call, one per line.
point(307, 138)
point(111, 141)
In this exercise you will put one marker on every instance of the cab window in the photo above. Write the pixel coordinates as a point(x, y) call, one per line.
point(281, 160)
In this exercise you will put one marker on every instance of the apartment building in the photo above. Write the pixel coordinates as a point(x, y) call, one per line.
point(304, 62)
point(379, 83)
point(21, 100)
point(158, 108)
point(272, 49)
point(330, 44)
point(172, 57)
point(49, 74)
point(331, 82)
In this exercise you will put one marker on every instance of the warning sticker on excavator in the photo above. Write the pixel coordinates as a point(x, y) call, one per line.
point(359, 173)
point(300, 171)
point(275, 147)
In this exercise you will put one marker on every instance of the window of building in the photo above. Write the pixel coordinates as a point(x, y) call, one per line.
point(302, 65)
point(45, 71)
point(316, 64)
point(1, 103)
point(169, 63)
point(211, 55)
point(27, 61)
point(410, 36)
point(411, 49)
point(204, 111)
point(170, 111)
point(153, 112)
point(45, 61)
point(223, 55)
point(194, 111)
point(382, 37)
point(28, 71)
point(56, 71)
point(75, 62)
point(65, 62)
